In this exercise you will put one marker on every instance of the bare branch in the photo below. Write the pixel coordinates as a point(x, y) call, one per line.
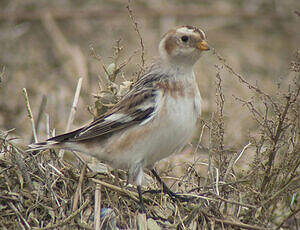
point(135, 25)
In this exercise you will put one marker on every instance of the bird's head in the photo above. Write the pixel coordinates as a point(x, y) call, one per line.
point(183, 45)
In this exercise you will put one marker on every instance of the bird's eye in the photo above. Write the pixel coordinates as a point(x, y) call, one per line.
point(184, 38)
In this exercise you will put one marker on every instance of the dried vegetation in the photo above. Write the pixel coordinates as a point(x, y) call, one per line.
point(43, 190)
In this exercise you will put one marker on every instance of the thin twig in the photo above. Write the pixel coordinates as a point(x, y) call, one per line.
point(198, 144)
point(209, 168)
point(29, 113)
point(235, 159)
point(97, 208)
point(74, 105)
point(217, 181)
point(73, 109)
point(231, 70)
point(181, 220)
point(192, 214)
point(132, 195)
point(220, 184)
point(47, 125)
point(19, 215)
point(240, 225)
point(78, 189)
point(56, 170)
point(104, 81)
point(273, 151)
point(54, 195)
point(280, 191)
point(39, 118)
point(135, 25)
point(217, 198)
point(66, 220)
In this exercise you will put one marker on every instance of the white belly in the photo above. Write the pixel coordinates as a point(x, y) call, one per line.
point(171, 128)
point(167, 131)
point(175, 129)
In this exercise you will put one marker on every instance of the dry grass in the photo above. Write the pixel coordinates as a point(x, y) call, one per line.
point(242, 168)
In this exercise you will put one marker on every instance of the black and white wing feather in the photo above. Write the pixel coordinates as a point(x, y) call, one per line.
point(136, 107)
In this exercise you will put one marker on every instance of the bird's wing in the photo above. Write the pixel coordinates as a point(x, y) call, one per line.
point(137, 107)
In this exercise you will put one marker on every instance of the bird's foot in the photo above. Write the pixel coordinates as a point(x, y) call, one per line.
point(174, 196)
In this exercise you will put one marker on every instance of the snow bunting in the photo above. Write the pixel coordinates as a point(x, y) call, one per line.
point(154, 119)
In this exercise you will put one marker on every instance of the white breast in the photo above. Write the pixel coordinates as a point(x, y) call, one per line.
point(169, 128)
point(176, 121)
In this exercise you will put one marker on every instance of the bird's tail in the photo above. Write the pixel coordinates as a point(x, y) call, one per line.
point(53, 142)
point(43, 145)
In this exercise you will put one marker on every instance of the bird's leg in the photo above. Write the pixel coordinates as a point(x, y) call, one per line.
point(142, 206)
point(136, 174)
point(166, 189)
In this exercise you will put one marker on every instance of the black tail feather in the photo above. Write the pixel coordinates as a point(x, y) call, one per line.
point(54, 142)
point(65, 137)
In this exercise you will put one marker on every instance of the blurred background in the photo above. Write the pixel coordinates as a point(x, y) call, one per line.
point(45, 46)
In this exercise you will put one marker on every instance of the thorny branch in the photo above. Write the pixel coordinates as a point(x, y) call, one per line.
point(135, 25)
point(242, 80)
point(220, 100)
point(289, 101)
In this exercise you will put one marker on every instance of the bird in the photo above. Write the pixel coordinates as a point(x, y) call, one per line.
point(155, 119)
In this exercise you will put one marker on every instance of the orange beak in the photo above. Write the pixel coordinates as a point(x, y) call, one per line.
point(203, 46)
